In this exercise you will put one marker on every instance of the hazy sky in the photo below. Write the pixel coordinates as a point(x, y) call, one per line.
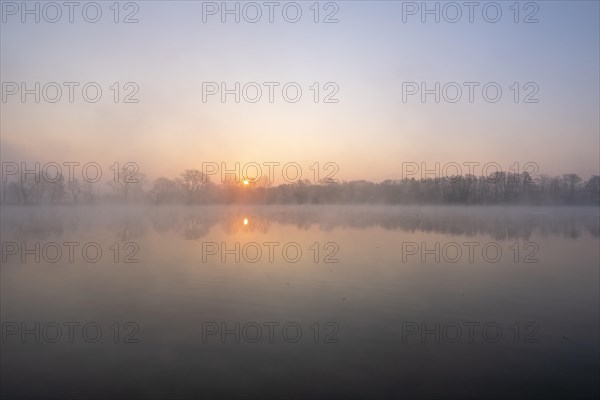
point(368, 54)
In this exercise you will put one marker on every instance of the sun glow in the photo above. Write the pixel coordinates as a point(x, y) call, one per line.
point(245, 221)
point(246, 182)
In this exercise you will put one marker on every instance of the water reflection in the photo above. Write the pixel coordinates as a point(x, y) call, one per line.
point(192, 223)
point(229, 265)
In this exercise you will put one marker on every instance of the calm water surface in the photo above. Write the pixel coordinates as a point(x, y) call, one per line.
point(302, 302)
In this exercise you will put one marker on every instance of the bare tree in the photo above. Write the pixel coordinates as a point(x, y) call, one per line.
point(74, 188)
point(193, 182)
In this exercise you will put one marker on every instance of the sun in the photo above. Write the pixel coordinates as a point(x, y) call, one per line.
point(245, 221)
point(246, 182)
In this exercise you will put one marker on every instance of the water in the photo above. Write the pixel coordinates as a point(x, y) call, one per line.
point(353, 301)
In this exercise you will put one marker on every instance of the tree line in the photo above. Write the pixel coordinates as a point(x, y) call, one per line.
point(193, 187)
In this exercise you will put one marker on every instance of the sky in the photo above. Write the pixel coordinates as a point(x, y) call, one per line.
point(370, 57)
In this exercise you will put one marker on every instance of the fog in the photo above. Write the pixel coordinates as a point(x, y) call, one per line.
point(129, 185)
point(347, 199)
point(309, 294)
point(130, 222)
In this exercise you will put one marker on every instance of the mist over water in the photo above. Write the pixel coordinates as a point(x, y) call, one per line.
point(128, 222)
point(375, 301)
point(345, 199)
